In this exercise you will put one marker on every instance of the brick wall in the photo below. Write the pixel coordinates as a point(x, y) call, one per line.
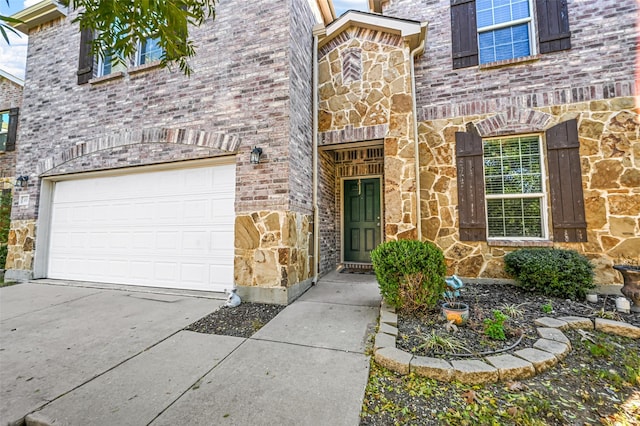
point(301, 145)
point(328, 199)
point(599, 65)
point(243, 86)
point(10, 97)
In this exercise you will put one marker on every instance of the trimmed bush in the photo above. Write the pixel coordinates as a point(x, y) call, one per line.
point(410, 273)
point(551, 272)
point(5, 221)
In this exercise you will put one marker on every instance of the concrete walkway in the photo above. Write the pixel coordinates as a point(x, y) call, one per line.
point(72, 355)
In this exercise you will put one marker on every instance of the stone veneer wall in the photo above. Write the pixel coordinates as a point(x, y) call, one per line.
point(272, 249)
point(582, 82)
point(365, 93)
point(609, 134)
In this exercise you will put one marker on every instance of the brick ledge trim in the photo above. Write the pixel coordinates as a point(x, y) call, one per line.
point(193, 137)
point(541, 98)
point(353, 134)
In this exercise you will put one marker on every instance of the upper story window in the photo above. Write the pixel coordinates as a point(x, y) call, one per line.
point(485, 31)
point(4, 129)
point(504, 29)
point(8, 129)
point(149, 50)
point(109, 65)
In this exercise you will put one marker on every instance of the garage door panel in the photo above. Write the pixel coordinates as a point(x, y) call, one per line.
point(171, 228)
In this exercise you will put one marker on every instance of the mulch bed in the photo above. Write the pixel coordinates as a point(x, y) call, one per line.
point(415, 328)
point(242, 321)
point(597, 383)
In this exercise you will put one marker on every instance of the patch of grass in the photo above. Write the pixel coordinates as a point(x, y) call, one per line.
point(512, 310)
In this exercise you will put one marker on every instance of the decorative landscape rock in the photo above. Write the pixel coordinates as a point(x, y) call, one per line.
point(474, 371)
point(553, 334)
point(560, 350)
point(578, 322)
point(388, 329)
point(512, 368)
point(551, 322)
point(541, 360)
point(434, 368)
point(393, 359)
point(617, 328)
point(384, 340)
point(387, 317)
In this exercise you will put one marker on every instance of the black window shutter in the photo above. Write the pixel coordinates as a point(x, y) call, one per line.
point(85, 62)
point(471, 210)
point(13, 130)
point(553, 25)
point(565, 183)
point(464, 35)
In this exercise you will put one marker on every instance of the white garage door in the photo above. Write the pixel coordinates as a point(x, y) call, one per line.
point(171, 228)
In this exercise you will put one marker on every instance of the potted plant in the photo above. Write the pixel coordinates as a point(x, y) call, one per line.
point(453, 309)
point(631, 287)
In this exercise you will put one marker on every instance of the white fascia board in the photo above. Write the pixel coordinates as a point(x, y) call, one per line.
point(38, 14)
point(12, 78)
point(413, 31)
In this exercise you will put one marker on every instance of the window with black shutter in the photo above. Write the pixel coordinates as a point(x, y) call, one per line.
point(8, 129)
point(485, 31)
point(500, 187)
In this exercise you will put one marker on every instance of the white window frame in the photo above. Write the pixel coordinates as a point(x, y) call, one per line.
point(139, 53)
point(3, 112)
point(533, 48)
point(119, 67)
point(543, 196)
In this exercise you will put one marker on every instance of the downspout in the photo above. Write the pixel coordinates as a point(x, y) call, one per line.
point(415, 52)
point(317, 31)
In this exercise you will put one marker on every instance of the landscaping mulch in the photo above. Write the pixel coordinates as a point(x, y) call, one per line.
point(415, 329)
point(242, 321)
point(597, 383)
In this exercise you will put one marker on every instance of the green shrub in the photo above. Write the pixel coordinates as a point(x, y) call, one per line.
point(5, 220)
point(551, 272)
point(410, 273)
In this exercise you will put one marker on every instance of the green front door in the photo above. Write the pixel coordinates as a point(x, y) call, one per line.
point(361, 219)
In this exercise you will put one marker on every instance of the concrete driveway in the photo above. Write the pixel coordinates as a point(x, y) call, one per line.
point(91, 356)
point(54, 339)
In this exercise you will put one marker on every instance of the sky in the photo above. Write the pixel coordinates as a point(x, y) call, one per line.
point(13, 55)
point(342, 6)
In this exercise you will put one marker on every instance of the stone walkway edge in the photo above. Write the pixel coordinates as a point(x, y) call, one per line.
point(546, 352)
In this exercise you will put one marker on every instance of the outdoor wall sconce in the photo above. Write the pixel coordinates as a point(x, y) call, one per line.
point(255, 155)
point(21, 181)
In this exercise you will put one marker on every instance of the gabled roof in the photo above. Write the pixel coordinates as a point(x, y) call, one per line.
point(38, 14)
point(413, 31)
point(11, 77)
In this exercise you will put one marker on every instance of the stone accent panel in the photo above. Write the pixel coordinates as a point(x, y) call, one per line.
point(21, 244)
point(272, 249)
point(353, 110)
point(609, 135)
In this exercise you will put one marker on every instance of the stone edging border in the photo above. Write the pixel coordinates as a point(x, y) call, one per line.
point(546, 352)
